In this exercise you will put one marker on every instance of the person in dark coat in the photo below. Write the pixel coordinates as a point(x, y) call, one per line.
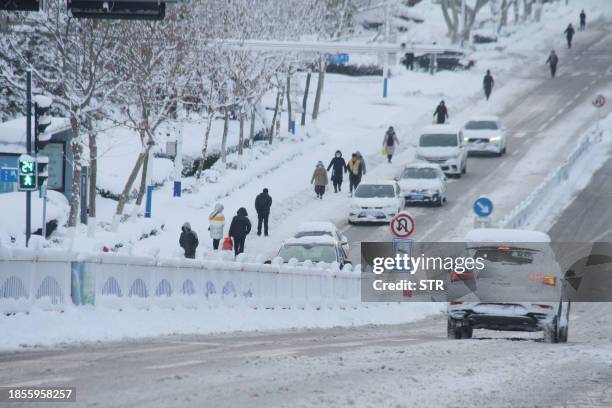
point(390, 142)
point(569, 34)
point(582, 20)
point(553, 60)
point(487, 83)
point(188, 241)
point(409, 61)
point(441, 113)
point(263, 202)
point(239, 229)
point(338, 166)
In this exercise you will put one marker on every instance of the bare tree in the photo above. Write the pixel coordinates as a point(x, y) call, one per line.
point(451, 11)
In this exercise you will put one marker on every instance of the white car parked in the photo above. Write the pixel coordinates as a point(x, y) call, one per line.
point(443, 145)
point(322, 229)
point(520, 287)
point(375, 202)
point(423, 182)
point(485, 134)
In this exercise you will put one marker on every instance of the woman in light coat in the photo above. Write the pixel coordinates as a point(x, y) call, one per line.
point(319, 178)
point(217, 224)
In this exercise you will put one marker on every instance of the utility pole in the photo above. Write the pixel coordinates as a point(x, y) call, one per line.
point(28, 149)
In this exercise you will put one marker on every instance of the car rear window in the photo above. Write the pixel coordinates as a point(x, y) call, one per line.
point(507, 255)
point(481, 125)
point(438, 140)
point(312, 234)
point(312, 252)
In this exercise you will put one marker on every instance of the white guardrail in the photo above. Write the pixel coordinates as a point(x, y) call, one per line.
point(52, 279)
point(538, 199)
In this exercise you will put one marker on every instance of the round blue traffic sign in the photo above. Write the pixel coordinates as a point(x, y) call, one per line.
point(483, 207)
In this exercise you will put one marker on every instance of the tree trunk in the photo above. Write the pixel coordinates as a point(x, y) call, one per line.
point(289, 101)
point(452, 22)
point(276, 107)
point(252, 129)
point(317, 101)
point(143, 184)
point(225, 131)
point(77, 150)
point(93, 171)
point(504, 13)
point(205, 146)
point(515, 4)
point(527, 9)
point(241, 133)
point(280, 110)
point(127, 188)
point(305, 99)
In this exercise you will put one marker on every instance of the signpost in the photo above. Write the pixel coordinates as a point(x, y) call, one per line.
point(9, 174)
point(483, 208)
point(599, 103)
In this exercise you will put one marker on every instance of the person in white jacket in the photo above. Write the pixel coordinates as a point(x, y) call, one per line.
point(217, 224)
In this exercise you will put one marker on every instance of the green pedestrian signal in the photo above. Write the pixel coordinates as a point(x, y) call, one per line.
point(27, 173)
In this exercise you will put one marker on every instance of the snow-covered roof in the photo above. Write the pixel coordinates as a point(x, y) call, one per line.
point(440, 129)
point(13, 132)
point(483, 118)
point(323, 239)
point(316, 226)
point(505, 235)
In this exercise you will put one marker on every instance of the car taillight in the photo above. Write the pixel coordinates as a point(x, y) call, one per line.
point(457, 302)
point(542, 305)
point(456, 276)
point(545, 279)
point(407, 293)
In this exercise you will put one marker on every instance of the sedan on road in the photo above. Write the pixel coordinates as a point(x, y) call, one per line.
point(375, 202)
point(322, 228)
point(485, 134)
point(315, 249)
point(423, 182)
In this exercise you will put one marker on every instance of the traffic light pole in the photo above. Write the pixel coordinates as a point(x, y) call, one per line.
point(29, 151)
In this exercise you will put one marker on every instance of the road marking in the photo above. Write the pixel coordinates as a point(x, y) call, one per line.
point(32, 383)
point(432, 229)
point(586, 88)
point(567, 105)
point(593, 82)
point(519, 135)
point(541, 128)
point(174, 365)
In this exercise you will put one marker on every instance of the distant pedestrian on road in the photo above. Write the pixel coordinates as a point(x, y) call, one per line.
point(355, 170)
point(263, 202)
point(338, 166)
point(487, 83)
point(319, 178)
point(582, 20)
point(553, 60)
point(569, 34)
point(409, 61)
point(216, 220)
point(239, 229)
point(390, 141)
point(441, 113)
point(188, 241)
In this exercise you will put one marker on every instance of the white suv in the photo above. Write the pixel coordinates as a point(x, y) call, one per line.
point(485, 134)
point(443, 145)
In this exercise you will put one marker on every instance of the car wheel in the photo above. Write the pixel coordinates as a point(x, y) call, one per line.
point(551, 335)
point(466, 332)
point(439, 201)
point(452, 331)
point(351, 222)
point(464, 169)
point(563, 334)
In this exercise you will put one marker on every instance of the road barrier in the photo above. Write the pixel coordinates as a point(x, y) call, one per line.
point(540, 198)
point(53, 279)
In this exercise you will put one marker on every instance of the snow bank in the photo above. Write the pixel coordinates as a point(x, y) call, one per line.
point(77, 325)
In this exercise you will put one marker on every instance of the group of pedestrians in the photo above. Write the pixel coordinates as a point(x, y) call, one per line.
point(553, 58)
point(239, 228)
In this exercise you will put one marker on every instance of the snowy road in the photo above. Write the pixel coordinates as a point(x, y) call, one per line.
point(409, 365)
point(543, 124)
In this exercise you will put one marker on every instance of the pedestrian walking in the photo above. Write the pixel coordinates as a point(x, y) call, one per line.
point(409, 61)
point(338, 167)
point(319, 178)
point(441, 113)
point(569, 34)
point(216, 221)
point(355, 170)
point(263, 202)
point(390, 141)
point(239, 229)
point(188, 241)
point(582, 20)
point(553, 60)
point(487, 83)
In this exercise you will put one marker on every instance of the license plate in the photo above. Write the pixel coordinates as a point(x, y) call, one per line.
point(417, 197)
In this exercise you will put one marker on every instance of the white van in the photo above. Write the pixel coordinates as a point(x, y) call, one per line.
point(443, 145)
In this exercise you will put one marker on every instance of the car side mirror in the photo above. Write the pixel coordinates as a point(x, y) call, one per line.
point(347, 262)
point(268, 262)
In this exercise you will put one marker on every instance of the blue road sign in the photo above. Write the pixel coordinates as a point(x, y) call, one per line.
point(403, 246)
point(9, 174)
point(483, 207)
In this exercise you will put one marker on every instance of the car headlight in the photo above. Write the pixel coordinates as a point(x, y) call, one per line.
point(495, 139)
point(420, 157)
point(355, 207)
